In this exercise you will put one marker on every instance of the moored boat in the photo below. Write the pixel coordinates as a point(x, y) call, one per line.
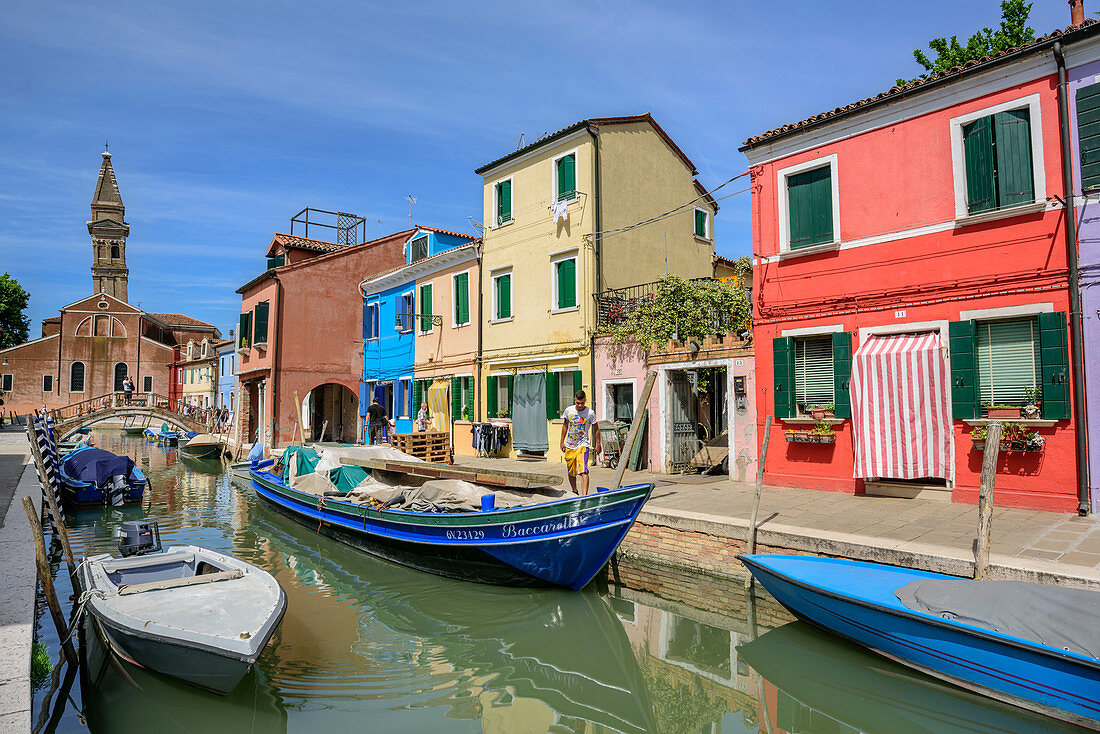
point(545, 541)
point(91, 476)
point(1031, 645)
point(187, 612)
point(204, 446)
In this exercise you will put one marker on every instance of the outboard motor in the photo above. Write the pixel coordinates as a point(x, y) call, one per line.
point(138, 537)
point(117, 487)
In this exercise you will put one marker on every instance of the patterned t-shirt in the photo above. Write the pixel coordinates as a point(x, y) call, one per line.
point(580, 423)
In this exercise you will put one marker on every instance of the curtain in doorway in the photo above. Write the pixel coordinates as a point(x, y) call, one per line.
point(439, 405)
point(901, 426)
point(529, 412)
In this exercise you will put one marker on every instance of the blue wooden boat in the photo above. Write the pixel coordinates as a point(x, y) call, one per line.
point(562, 542)
point(1031, 645)
point(91, 477)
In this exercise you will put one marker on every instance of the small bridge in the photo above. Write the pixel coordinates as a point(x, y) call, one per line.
point(157, 408)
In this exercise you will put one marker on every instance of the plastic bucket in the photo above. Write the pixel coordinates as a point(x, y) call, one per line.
point(488, 502)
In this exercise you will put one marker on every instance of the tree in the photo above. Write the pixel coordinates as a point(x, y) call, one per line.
point(1014, 31)
point(14, 325)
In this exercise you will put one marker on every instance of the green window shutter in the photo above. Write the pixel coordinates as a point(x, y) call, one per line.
point(418, 397)
point(470, 397)
point(1088, 135)
point(491, 398)
point(783, 365)
point(504, 296)
point(842, 374)
point(511, 392)
point(456, 400)
point(426, 307)
point(552, 396)
point(810, 207)
point(965, 402)
point(567, 177)
point(504, 202)
point(270, 263)
point(981, 189)
point(244, 330)
point(578, 382)
point(567, 283)
point(1012, 132)
point(700, 223)
point(1055, 366)
point(260, 327)
point(462, 298)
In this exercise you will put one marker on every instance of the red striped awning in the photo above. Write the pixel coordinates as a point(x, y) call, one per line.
point(900, 417)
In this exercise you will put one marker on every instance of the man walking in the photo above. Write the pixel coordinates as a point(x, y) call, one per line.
point(576, 440)
point(377, 419)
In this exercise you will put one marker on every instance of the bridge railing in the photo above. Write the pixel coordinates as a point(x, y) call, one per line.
point(122, 400)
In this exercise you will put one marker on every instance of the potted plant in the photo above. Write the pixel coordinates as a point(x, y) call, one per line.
point(502, 414)
point(1002, 410)
point(820, 412)
point(1034, 397)
point(823, 432)
point(978, 436)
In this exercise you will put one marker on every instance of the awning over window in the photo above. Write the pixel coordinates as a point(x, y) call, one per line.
point(900, 416)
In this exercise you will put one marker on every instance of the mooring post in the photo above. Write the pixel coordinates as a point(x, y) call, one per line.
point(985, 499)
point(55, 515)
point(635, 429)
point(750, 545)
point(44, 577)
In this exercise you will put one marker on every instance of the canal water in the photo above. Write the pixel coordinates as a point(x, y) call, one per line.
point(369, 646)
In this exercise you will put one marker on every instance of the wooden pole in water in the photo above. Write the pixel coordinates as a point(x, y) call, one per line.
point(56, 517)
point(635, 429)
point(44, 577)
point(985, 498)
point(750, 545)
point(298, 420)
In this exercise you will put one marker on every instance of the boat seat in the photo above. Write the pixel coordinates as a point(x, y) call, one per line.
point(121, 564)
point(206, 578)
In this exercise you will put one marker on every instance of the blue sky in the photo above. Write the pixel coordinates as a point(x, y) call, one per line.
point(226, 118)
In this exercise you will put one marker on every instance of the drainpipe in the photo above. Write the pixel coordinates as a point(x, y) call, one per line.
point(1076, 338)
point(480, 322)
point(596, 250)
point(275, 355)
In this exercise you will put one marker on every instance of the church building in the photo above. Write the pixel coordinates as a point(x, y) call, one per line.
point(98, 340)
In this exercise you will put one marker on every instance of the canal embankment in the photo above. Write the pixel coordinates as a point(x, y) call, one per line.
point(700, 524)
point(18, 479)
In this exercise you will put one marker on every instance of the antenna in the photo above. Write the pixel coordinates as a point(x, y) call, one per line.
point(412, 200)
point(379, 228)
point(520, 143)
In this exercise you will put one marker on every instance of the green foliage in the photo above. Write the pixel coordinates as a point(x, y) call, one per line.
point(682, 309)
point(683, 708)
point(40, 665)
point(14, 325)
point(1013, 31)
point(823, 428)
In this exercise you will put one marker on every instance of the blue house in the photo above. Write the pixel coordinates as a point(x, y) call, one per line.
point(226, 354)
point(388, 304)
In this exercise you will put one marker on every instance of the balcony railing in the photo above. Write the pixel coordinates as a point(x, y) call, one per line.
point(614, 305)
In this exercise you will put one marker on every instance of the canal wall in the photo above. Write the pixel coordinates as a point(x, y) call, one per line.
point(17, 602)
point(705, 543)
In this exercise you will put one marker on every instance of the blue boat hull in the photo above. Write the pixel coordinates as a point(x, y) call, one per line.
point(87, 494)
point(566, 545)
point(855, 600)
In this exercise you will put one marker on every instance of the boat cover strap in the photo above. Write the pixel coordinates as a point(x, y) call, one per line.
point(206, 578)
point(158, 559)
point(1054, 616)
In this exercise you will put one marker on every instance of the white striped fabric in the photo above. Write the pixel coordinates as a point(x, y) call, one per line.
point(901, 424)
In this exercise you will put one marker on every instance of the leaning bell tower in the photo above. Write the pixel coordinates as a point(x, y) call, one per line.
point(108, 229)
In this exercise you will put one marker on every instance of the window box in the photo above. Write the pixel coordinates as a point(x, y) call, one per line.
point(809, 437)
point(1017, 445)
point(995, 413)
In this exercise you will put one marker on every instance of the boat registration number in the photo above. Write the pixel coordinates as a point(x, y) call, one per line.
point(465, 534)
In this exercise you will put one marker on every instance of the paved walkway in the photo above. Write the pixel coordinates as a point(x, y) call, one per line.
point(1034, 538)
point(17, 480)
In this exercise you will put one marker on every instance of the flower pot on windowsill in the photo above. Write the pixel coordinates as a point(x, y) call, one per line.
point(979, 444)
point(807, 437)
point(997, 413)
point(821, 414)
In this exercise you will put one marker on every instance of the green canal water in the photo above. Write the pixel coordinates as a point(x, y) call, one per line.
point(367, 646)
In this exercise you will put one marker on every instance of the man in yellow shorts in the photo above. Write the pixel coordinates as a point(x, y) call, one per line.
point(576, 440)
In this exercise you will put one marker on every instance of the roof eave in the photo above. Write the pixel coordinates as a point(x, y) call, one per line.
point(533, 146)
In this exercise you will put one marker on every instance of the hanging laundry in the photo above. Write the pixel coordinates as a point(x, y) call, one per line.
point(560, 211)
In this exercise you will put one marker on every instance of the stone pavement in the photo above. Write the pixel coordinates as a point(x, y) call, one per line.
point(1041, 543)
point(18, 479)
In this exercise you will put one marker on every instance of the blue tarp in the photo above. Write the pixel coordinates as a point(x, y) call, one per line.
point(97, 466)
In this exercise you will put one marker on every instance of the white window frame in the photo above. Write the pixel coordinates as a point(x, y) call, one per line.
point(427, 253)
point(406, 390)
point(574, 255)
point(495, 202)
point(554, 176)
point(454, 299)
point(416, 296)
point(511, 294)
point(374, 313)
point(706, 225)
point(44, 383)
point(412, 310)
point(782, 175)
point(608, 404)
point(1030, 102)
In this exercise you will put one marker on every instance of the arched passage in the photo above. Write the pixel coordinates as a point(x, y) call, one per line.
point(331, 408)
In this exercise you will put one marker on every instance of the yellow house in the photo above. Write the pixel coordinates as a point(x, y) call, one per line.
point(198, 374)
point(605, 203)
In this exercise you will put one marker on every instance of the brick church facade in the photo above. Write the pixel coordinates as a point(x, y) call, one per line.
point(96, 341)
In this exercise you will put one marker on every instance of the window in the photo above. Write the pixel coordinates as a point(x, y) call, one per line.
point(76, 377)
point(502, 193)
point(370, 320)
point(120, 375)
point(179, 377)
point(565, 177)
point(622, 402)
point(498, 396)
point(565, 283)
point(419, 249)
point(565, 390)
point(813, 373)
point(190, 351)
point(502, 296)
point(147, 383)
point(277, 261)
point(116, 252)
point(1088, 135)
point(245, 337)
point(504, 397)
point(47, 383)
point(462, 398)
point(405, 312)
point(102, 325)
point(997, 150)
point(702, 223)
point(204, 348)
point(810, 206)
point(404, 407)
point(461, 286)
point(560, 387)
point(426, 309)
point(5, 383)
point(259, 327)
point(1008, 361)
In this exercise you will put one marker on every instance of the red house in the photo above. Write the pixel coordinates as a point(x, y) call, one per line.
point(910, 277)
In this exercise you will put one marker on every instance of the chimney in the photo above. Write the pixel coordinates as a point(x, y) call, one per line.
point(1076, 12)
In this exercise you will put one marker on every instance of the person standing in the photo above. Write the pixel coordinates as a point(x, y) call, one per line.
point(576, 440)
point(128, 388)
point(377, 419)
point(422, 418)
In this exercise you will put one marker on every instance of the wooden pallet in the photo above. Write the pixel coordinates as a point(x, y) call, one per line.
point(429, 445)
point(491, 477)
